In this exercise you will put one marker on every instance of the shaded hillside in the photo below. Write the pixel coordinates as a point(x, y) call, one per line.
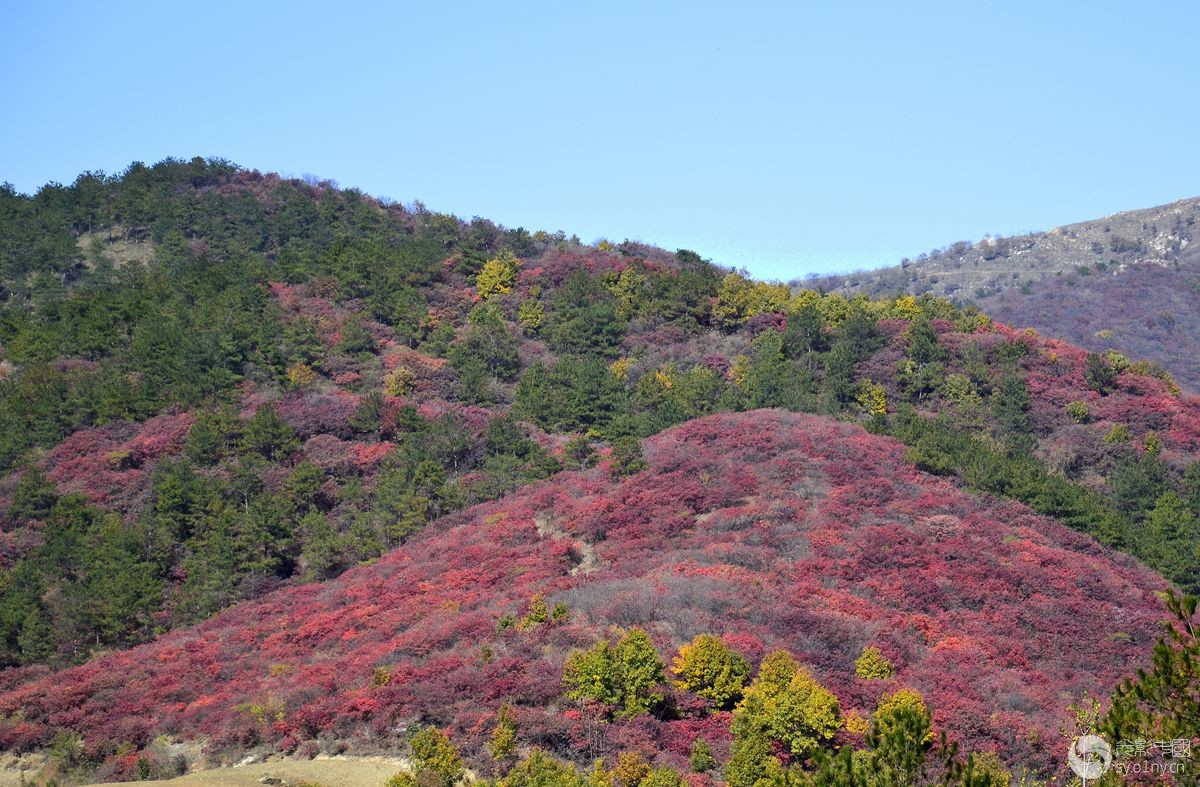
point(215, 383)
point(770, 528)
point(1129, 282)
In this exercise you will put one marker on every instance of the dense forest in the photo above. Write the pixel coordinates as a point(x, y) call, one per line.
point(216, 383)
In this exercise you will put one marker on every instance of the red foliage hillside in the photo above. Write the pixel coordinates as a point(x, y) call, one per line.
point(775, 529)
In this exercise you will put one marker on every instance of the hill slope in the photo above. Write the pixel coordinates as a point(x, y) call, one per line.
point(1130, 282)
point(215, 383)
point(772, 528)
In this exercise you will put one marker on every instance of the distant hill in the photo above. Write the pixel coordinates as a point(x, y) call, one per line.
point(773, 529)
point(1130, 282)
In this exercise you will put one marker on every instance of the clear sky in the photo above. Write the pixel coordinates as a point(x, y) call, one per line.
point(785, 137)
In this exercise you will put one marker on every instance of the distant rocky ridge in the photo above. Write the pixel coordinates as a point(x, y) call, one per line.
point(1128, 282)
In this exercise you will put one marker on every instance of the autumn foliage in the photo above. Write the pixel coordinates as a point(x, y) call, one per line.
point(777, 530)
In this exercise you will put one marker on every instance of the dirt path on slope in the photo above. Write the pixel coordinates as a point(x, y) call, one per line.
point(589, 560)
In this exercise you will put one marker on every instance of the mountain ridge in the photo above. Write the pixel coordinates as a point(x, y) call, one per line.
point(1129, 281)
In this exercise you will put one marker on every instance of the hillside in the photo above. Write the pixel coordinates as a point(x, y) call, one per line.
point(770, 528)
point(227, 398)
point(217, 382)
point(1130, 282)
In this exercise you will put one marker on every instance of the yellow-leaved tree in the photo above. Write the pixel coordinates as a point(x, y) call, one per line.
point(785, 704)
point(497, 275)
point(711, 669)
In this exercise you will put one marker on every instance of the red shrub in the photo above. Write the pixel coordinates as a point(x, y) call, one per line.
point(771, 529)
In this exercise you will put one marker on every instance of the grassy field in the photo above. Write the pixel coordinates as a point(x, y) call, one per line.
point(339, 771)
point(326, 772)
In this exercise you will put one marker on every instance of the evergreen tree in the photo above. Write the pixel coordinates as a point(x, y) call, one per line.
point(269, 435)
point(36, 641)
point(21, 608)
point(368, 416)
point(1010, 409)
point(1163, 701)
point(805, 332)
point(1171, 539)
point(356, 339)
point(1100, 375)
point(838, 385)
point(573, 395)
point(772, 380)
point(266, 537)
point(488, 343)
point(213, 436)
point(583, 318)
point(900, 739)
point(923, 345)
point(626, 457)
point(119, 588)
point(323, 547)
point(1138, 482)
point(1190, 487)
point(212, 567)
point(33, 498)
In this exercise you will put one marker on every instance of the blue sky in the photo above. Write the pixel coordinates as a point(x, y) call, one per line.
point(784, 137)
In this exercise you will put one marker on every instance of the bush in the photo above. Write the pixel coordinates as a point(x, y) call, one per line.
point(435, 760)
point(399, 382)
point(872, 398)
point(711, 669)
point(701, 758)
point(739, 299)
point(503, 743)
point(662, 777)
point(530, 315)
point(1079, 411)
point(631, 769)
point(623, 675)
point(539, 769)
point(856, 724)
point(786, 704)
point(1100, 375)
point(301, 375)
point(1152, 444)
point(1118, 434)
point(497, 275)
point(626, 457)
point(871, 665)
point(537, 614)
